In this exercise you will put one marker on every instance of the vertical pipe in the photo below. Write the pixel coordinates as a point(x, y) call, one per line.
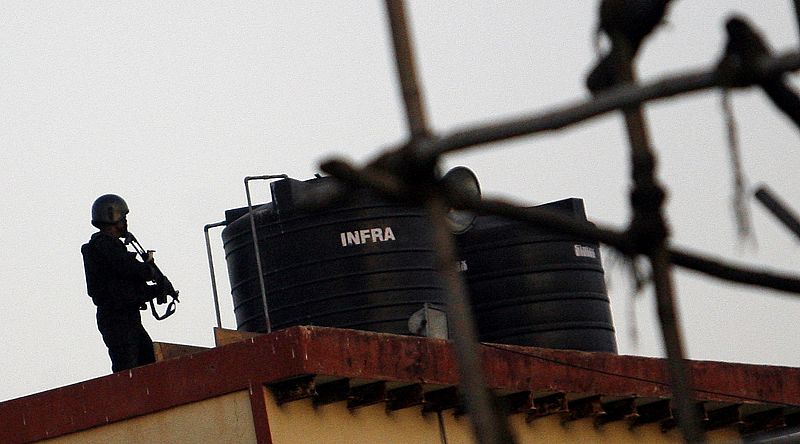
point(255, 242)
point(211, 269)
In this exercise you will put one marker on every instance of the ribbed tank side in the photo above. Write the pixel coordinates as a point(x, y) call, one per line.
point(364, 264)
point(533, 287)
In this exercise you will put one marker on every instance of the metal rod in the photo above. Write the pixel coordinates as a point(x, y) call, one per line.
point(797, 13)
point(488, 424)
point(678, 256)
point(682, 257)
point(742, 214)
point(734, 273)
point(647, 198)
point(256, 249)
point(406, 69)
point(679, 374)
point(610, 100)
point(442, 431)
point(778, 209)
point(211, 269)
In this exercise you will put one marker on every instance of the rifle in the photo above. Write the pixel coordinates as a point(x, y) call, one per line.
point(162, 286)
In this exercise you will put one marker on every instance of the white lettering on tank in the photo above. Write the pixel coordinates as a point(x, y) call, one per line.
point(352, 238)
point(584, 251)
point(358, 237)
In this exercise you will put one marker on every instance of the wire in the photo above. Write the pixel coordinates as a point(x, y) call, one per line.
point(630, 377)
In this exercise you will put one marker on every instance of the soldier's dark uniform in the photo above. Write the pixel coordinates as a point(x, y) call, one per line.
point(116, 281)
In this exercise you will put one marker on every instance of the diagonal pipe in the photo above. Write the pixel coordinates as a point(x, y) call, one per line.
point(488, 425)
point(406, 69)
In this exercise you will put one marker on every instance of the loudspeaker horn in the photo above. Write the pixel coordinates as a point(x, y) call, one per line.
point(462, 186)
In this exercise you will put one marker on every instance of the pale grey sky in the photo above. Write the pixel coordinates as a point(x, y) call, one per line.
point(171, 104)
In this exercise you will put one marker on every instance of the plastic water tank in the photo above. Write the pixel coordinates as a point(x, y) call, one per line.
point(365, 263)
point(533, 287)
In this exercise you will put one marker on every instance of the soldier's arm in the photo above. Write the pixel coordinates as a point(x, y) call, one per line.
point(123, 263)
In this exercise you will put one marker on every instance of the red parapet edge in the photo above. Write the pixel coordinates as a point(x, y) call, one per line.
point(298, 351)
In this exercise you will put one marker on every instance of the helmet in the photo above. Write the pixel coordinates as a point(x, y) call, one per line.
point(108, 209)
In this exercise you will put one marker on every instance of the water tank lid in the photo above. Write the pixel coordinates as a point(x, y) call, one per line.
point(572, 207)
point(283, 195)
point(235, 213)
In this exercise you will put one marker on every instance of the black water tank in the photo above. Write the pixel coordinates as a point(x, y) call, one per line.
point(534, 287)
point(365, 263)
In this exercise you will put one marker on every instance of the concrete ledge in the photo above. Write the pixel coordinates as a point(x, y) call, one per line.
point(224, 336)
point(166, 350)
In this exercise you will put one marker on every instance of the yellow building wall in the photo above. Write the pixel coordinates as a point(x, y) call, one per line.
point(225, 419)
point(300, 422)
point(229, 419)
point(551, 429)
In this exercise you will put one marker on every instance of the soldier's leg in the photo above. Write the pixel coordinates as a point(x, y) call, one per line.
point(146, 355)
point(123, 356)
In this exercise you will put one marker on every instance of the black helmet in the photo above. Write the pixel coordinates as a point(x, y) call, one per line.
point(108, 209)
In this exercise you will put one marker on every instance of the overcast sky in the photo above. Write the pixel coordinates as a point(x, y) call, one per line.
point(171, 104)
